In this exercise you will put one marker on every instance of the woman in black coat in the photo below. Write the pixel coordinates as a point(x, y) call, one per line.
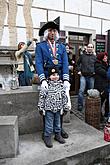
point(101, 81)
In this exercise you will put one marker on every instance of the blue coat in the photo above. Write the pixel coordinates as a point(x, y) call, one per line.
point(44, 59)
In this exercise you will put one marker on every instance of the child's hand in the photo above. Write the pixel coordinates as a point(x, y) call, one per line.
point(41, 113)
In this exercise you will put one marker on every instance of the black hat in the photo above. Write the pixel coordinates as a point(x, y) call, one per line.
point(50, 24)
point(52, 71)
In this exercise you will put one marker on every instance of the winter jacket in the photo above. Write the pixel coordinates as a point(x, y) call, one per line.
point(20, 54)
point(85, 64)
point(101, 81)
point(54, 99)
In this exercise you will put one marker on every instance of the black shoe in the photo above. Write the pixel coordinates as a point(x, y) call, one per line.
point(80, 108)
point(64, 134)
point(48, 141)
point(59, 138)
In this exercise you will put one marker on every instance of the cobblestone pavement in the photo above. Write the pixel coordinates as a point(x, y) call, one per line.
point(74, 108)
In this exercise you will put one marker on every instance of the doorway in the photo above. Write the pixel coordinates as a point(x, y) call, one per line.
point(76, 42)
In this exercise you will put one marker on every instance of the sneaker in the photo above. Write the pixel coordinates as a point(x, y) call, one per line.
point(64, 134)
point(48, 141)
point(80, 108)
point(59, 138)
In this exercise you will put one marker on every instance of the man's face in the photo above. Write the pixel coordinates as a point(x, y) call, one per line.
point(52, 33)
point(90, 48)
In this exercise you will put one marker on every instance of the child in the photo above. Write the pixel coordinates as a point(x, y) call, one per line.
point(53, 103)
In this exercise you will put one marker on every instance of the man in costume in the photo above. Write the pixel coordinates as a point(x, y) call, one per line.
point(51, 53)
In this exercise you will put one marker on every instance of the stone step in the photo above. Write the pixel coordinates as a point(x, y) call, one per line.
point(8, 136)
point(84, 145)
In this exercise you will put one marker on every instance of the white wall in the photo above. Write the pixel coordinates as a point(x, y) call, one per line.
point(66, 19)
point(78, 6)
point(89, 14)
point(101, 10)
point(49, 4)
point(90, 23)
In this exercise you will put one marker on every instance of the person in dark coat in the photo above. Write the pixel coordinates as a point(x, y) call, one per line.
point(101, 80)
point(85, 68)
point(71, 63)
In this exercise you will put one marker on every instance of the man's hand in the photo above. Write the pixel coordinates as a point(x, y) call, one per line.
point(69, 101)
point(70, 67)
point(44, 85)
point(79, 73)
point(66, 85)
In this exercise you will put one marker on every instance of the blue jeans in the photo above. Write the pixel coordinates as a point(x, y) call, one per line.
point(24, 81)
point(85, 83)
point(52, 123)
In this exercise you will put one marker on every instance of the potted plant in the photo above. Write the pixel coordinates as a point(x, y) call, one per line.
point(35, 82)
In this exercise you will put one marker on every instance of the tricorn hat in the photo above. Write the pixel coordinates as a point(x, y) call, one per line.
point(50, 24)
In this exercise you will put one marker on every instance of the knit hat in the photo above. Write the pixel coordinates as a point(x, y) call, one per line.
point(101, 55)
point(50, 24)
point(53, 70)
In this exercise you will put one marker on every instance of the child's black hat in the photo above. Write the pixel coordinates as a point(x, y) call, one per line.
point(53, 70)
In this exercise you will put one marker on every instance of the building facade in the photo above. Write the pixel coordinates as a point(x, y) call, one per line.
point(81, 22)
point(20, 19)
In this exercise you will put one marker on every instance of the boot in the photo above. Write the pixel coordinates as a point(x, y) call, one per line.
point(59, 138)
point(48, 141)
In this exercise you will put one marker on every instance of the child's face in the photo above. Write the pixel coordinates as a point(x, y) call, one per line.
point(54, 76)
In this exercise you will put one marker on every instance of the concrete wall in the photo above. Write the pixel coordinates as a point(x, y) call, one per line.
point(21, 18)
point(22, 103)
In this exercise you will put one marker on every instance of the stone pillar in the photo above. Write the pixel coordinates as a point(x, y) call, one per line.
point(3, 8)
point(28, 19)
point(12, 22)
point(8, 136)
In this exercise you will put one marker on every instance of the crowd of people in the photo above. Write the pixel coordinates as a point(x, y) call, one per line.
point(54, 67)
